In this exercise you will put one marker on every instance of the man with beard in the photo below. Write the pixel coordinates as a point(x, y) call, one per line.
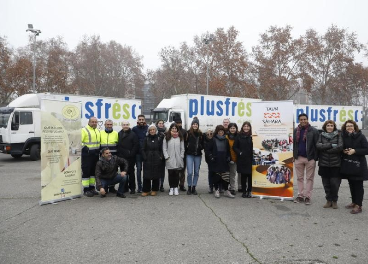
point(109, 139)
point(107, 173)
point(140, 130)
point(127, 148)
point(90, 138)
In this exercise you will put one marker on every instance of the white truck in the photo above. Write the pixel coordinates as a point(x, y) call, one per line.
point(20, 121)
point(318, 114)
point(209, 109)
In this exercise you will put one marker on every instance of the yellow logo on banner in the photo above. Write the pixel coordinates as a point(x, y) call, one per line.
point(70, 112)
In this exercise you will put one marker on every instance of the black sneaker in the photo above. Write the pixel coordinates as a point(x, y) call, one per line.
point(244, 195)
point(94, 192)
point(182, 188)
point(240, 190)
point(162, 189)
point(194, 192)
point(298, 200)
point(139, 190)
point(89, 194)
point(132, 192)
point(121, 195)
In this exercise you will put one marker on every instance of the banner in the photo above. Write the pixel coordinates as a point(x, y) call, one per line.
point(272, 129)
point(60, 151)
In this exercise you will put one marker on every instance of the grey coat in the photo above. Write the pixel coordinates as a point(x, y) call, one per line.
point(174, 153)
point(329, 156)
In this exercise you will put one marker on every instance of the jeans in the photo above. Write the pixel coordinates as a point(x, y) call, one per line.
point(138, 160)
point(193, 162)
point(118, 179)
point(301, 164)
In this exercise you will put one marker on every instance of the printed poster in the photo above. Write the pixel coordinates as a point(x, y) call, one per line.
point(272, 128)
point(60, 151)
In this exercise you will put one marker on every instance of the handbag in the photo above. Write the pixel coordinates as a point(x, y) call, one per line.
point(350, 165)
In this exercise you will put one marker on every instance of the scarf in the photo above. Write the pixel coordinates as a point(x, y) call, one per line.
point(305, 133)
point(329, 135)
point(231, 136)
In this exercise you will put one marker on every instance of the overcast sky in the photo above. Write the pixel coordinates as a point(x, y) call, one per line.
point(148, 26)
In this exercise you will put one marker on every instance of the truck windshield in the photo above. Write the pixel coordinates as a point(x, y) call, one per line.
point(160, 115)
point(5, 113)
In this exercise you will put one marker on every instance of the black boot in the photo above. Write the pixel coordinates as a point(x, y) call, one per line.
point(182, 188)
point(194, 191)
point(189, 192)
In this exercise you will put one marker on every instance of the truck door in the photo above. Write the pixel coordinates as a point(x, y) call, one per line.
point(22, 126)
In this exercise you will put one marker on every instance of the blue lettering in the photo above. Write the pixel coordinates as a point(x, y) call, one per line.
point(193, 107)
point(322, 113)
point(202, 105)
point(356, 116)
point(210, 108)
point(298, 112)
point(220, 111)
point(107, 107)
point(133, 111)
point(89, 110)
point(234, 104)
point(314, 117)
point(227, 103)
point(66, 98)
point(99, 104)
point(335, 114)
point(329, 112)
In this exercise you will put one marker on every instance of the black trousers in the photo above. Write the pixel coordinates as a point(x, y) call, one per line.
point(174, 178)
point(131, 173)
point(246, 181)
point(182, 172)
point(89, 160)
point(219, 182)
point(151, 185)
point(331, 186)
point(357, 192)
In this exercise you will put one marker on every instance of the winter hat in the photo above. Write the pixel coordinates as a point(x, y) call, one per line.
point(177, 120)
point(195, 121)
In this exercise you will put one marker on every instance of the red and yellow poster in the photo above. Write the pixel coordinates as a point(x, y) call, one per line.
point(272, 128)
point(60, 151)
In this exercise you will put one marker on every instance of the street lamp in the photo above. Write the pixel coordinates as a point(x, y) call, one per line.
point(36, 32)
point(207, 40)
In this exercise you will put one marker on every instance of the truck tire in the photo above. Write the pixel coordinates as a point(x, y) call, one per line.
point(16, 156)
point(35, 152)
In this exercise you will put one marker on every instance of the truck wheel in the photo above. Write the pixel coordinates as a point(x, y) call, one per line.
point(16, 156)
point(35, 152)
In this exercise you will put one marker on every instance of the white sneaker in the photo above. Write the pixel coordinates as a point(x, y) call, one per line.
point(171, 191)
point(217, 194)
point(176, 191)
point(228, 194)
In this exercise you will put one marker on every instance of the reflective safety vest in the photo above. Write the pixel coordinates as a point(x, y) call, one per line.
point(91, 138)
point(109, 140)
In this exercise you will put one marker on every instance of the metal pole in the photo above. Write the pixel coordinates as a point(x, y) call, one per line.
point(207, 75)
point(34, 64)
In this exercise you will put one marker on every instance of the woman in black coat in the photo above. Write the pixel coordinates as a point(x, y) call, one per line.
point(243, 147)
point(219, 156)
point(152, 159)
point(355, 148)
point(329, 148)
point(160, 125)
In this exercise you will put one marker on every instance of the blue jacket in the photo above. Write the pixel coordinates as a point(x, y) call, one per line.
point(141, 132)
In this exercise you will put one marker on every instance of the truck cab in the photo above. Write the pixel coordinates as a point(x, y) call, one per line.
point(18, 130)
point(168, 115)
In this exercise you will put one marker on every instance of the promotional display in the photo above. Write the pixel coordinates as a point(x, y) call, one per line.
point(60, 151)
point(272, 129)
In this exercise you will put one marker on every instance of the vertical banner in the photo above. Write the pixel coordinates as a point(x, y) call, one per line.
point(60, 151)
point(272, 128)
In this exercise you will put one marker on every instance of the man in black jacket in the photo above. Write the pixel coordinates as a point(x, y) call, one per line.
point(127, 148)
point(107, 173)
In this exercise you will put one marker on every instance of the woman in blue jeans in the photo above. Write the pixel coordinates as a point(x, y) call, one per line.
point(194, 146)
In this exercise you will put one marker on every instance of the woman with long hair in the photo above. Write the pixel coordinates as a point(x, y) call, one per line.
point(329, 148)
point(194, 146)
point(219, 155)
point(354, 164)
point(160, 125)
point(173, 150)
point(232, 133)
point(243, 147)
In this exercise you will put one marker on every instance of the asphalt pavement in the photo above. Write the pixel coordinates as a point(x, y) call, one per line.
point(169, 229)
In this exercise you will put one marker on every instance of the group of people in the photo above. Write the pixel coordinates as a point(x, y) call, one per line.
point(228, 153)
point(340, 155)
